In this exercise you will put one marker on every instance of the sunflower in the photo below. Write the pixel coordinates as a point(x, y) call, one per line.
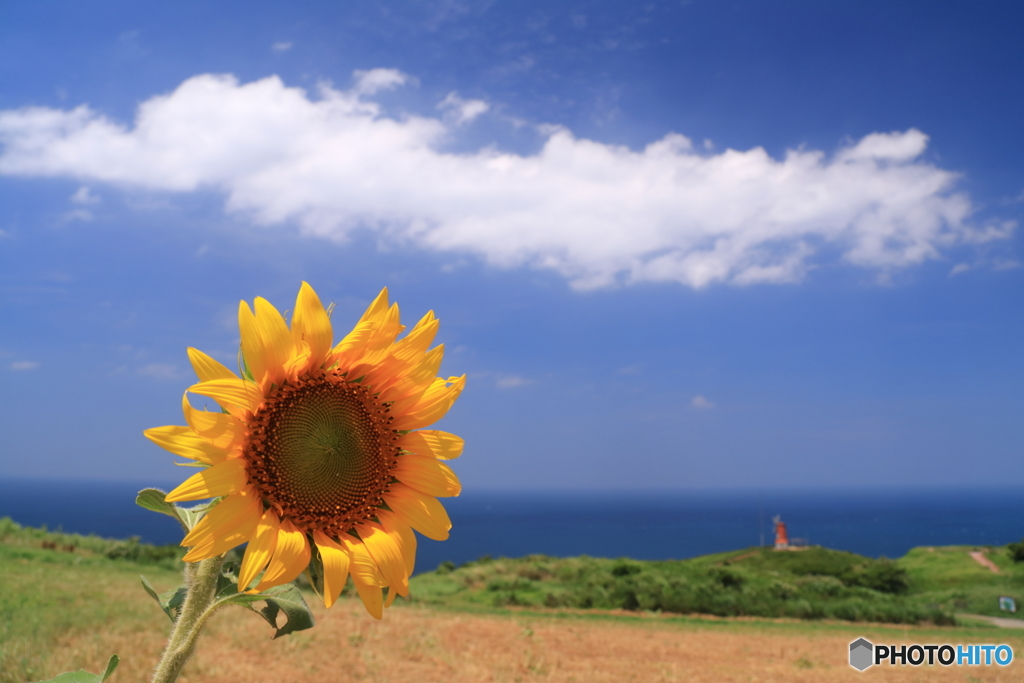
point(319, 453)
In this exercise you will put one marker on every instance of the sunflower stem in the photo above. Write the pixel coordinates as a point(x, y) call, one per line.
point(201, 582)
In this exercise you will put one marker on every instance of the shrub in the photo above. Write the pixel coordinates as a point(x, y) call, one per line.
point(881, 575)
point(1016, 551)
point(625, 567)
point(143, 552)
point(727, 577)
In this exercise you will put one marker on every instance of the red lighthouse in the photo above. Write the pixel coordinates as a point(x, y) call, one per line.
point(781, 537)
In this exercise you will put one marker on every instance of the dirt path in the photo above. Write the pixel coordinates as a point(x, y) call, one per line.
point(1002, 622)
point(980, 557)
point(416, 644)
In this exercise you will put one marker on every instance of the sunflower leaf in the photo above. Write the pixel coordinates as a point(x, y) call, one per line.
point(190, 516)
point(227, 582)
point(279, 599)
point(155, 500)
point(82, 676)
point(170, 601)
point(289, 600)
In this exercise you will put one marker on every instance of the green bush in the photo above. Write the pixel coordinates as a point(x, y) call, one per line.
point(1016, 551)
point(12, 533)
point(812, 584)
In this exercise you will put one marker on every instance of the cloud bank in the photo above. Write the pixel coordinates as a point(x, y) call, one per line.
point(598, 214)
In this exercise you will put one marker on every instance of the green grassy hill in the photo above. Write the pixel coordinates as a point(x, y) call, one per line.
point(947, 576)
point(56, 584)
point(928, 584)
point(52, 584)
point(811, 584)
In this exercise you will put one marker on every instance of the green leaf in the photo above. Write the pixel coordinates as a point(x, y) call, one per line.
point(155, 500)
point(82, 676)
point(279, 599)
point(170, 601)
point(153, 594)
point(227, 582)
point(289, 600)
point(190, 516)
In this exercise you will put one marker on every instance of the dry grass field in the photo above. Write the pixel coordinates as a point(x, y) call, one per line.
point(61, 611)
point(419, 644)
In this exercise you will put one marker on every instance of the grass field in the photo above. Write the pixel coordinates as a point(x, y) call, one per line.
point(928, 584)
point(62, 611)
point(48, 596)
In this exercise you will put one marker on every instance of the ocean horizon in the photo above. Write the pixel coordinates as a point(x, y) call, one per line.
point(647, 525)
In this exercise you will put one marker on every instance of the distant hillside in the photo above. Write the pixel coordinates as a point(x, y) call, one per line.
point(926, 585)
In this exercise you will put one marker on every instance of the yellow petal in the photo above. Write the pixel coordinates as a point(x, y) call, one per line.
point(427, 475)
point(237, 396)
point(418, 340)
point(186, 443)
point(336, 561)
point(433, 405)
point(369, 343)
point(366, 577)
point(403, 536)
point(221, 429)
point(222, 479)
point(207, 368)
point(407, 386)
point(229, 523)
point(377, 308)
point(387, 554)
point(433, 442)
point(311, 325)
point(291, 556)
point(260, 550)
point(420, 511)
point(379, 374)
point(383, 335)
point(357, 338)
point(266, 341)
point(276, 339)
point(252, 345)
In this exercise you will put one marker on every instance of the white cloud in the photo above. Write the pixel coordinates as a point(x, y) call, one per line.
point(599, 214)
point(959, 268)
point(24, 365)
point(512, 382)
point(462, 111)
point(367, 82)
point(282, 46)
point(701, 403)
point(84, 196)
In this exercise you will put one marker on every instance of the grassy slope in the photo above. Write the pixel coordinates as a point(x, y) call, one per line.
point(948, 576)
point(47, 596)
point(814, 583)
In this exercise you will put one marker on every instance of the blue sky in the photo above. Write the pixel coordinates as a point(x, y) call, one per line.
point(673, 245)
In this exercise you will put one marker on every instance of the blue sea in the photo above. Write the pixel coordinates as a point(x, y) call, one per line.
point(653, 525)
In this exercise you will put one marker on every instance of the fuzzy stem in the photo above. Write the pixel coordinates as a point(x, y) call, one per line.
point(201, 582)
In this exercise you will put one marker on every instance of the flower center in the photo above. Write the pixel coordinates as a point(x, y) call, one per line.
point(320, 450)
